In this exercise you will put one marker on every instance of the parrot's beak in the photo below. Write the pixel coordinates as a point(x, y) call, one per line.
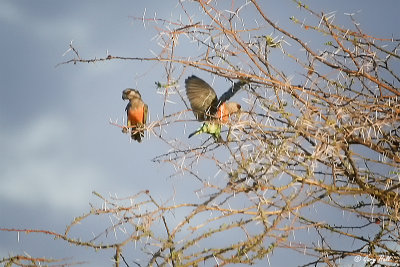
point(125, 94)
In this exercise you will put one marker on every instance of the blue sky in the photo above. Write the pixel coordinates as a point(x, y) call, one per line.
point(55, 139)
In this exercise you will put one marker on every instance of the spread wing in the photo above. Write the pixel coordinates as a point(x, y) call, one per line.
point(202, 98)
point(232, 91)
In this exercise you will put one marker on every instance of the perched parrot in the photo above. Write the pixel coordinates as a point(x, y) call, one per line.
point(206, 106)
point(136, 111)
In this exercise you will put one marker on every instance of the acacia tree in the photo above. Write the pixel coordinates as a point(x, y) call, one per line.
point(310, 165)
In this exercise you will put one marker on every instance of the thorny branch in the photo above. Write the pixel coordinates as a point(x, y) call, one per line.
point(311, 165)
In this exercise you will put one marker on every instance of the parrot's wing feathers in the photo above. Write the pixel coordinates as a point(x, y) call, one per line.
point(145, 108)
point(128, 106)
point(232, 91)
point(202, 98)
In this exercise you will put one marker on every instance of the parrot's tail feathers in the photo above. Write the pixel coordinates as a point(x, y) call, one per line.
point(198, 131)
point(137, 134)
point(137, 137)
point(193, 134)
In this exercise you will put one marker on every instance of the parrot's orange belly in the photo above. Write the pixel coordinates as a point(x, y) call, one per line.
point(136, 116)
point(221, 113)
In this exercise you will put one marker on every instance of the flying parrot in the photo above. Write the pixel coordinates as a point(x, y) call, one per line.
point(207, 107)
point(136, 111)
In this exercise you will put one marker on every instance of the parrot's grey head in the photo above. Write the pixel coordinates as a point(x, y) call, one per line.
point(129, 93)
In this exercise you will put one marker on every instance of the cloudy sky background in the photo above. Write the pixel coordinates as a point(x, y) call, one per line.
point(56, 144)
